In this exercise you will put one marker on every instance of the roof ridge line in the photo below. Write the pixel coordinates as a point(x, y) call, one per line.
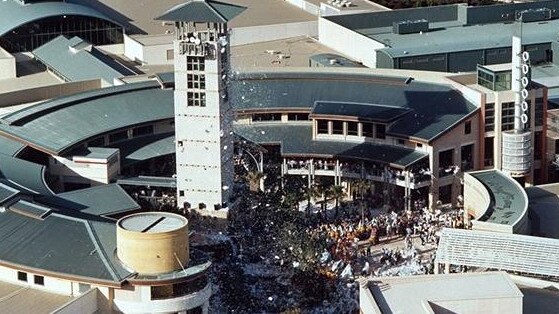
point(216, 11)
point(102, 254)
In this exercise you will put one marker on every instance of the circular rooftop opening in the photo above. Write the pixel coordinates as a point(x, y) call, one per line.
point(152, 222)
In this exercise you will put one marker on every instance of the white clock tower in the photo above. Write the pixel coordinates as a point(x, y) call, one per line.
point(203, 117)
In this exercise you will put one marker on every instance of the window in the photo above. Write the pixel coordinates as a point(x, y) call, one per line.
point(170, 54)
point(401, 142)
point(39, 280)
point(507, 118)
point(352, 128)
point(197, 81)
point(489, 117)
point(196, 99)
point(380, 131)
point(338, 127)
point(538, 112)
point(21, 276)
point(83, 287)
point(181, 193)
point(468, 127)
point(118, 136)
point(367, 129)
point(263, 117)
point(419, 145)
point(488, 158)
point(142, 130)
point(178, 289)
point(322, 126)
point(195, 64)
point(298, 116)
point(467, 153)
point(538, 145)
point(100, 141)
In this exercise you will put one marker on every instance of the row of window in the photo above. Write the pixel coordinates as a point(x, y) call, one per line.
point(179, 289)
point(507, 115)
point(336, 127)
point(273, 117)
point(122, 135)
point(38, 280)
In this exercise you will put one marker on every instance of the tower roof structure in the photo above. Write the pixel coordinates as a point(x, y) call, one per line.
point(202, 11)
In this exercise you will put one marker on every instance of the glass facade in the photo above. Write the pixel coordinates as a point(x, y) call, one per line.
point(507, 118)
point(489, 117)
point(33, 35)
point(495, 81)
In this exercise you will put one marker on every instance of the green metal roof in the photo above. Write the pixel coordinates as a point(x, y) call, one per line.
point(149, 181)
point(24, 174)
point(6, 193)
point(369, 112)
point(202, 11)
point(100, 200)
point(509, 202)
point(75, 60)
point(146, 147)
point(60, 244)
point(433, 108)
point(452, 28)
point(436, 42)
point(58, 125)
point(10, 147)
point(296, 140)
point(13, 14)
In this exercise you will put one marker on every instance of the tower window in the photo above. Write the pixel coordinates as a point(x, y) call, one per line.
point(195, 64)
point(196, 99)
point(196, 81)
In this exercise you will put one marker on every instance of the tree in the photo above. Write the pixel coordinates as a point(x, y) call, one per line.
point(312, 192)
point(254, 178)
point(361, 185)
point(337, 192)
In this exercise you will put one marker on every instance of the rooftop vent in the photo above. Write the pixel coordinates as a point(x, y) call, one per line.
point(410, 27)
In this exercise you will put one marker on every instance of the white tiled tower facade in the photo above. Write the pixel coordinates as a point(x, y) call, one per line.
point(202, 115)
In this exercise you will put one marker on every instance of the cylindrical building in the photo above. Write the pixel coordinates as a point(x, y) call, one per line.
point(153, 243)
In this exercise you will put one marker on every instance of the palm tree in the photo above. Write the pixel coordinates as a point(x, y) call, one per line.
point(312, 191)
point(337, 192)
point(254, 178)
point(361, 185)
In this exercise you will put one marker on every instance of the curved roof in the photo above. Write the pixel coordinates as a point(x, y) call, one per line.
point(13, 14)
point(432, 108)
point(296, 141)
point(56, 126)
point(508, 201)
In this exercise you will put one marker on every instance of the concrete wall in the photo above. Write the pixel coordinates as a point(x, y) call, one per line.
point(476, 197)
point(94, 171)
point(254, 34)
point(348, 42)
point(306, 6)
point(50, 284)
point(46, 92)
point(7, 65)
point(511, 305)
point(133, 50)
point(90, 302)
point(454, 139)
point(171, 305)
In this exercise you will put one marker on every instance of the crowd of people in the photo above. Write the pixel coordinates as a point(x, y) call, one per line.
point(353, 241)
